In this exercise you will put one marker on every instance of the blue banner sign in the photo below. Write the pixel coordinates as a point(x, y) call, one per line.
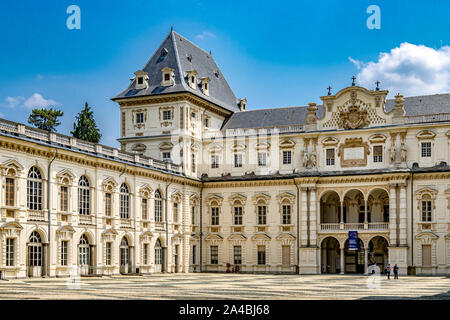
point(353, 240)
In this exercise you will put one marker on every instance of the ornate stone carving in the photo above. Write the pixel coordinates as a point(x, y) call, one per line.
point(350, 158)
point(353, 118)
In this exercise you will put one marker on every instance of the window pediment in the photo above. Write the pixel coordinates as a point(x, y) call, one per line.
point(426, 191)
point(65, 176)
point(238, 147)
point(330, 141)
point(109, 184)
point(214, 198)
point(427, 237)
point(377, 138)
point(237, 197)
point(286, 196)
point(213, 236)
point(165, 146)
point(145, 191)
point(425, 135)
point(287, 144)
point(176, 196)
point(261, 236)
point(262, 146)
point(237, 236)
point(215, 147)
point(11, 163)
point(261, 196)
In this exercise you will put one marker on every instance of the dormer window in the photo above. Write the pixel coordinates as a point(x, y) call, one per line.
point(192, 79)
point(205, 86)
point(243, 104)
point(168, 77)
point(141, 80)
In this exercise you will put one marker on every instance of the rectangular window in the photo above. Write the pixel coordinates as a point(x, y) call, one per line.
point(194, 254)
point(377, 153)
point(193, 115)
point(140, 80)
point(145, 253)
point(175, 212)
point(214, 254)
point(206, 119)
point(262, 213)
point(237, 215)
point(386, 213)
point(166, 77)
point(166, 156)
point(285, 255)
point(261, 254)
point(426, 149)
point(262, 159)
point(193, 214)
point(64, 199)
point(214, 161)
point(238, 160)
point(215, 216)
point(64, 251)
point(287, 157)
point(108, 254)
point(286, 219)
point(107, 203)
point(426, 255)
point(9, 192)
point(426, 211)
point(139, 117)
point(144, 208)
point(10, 252)
point(193, 164)
point(237, 255)
point(167, 115)
point(330, 157)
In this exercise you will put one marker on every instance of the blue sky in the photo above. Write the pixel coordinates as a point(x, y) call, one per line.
point(273, 53)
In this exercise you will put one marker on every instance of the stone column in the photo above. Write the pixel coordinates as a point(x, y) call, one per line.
point(304, 218)
point(402, 227)
point(312, 218)
point(186, 220)
point(366, 260)
point(393, 215)
point(365, 212)
point(342, 261)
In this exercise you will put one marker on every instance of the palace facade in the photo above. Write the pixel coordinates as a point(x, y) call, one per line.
point(200, 184)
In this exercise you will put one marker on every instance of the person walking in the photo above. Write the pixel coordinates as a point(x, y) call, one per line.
point(395, 271)
point(388, 271)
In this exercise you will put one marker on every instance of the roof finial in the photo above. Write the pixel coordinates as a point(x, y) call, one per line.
point(329, 90)
point(210, 52)
point(353, 82)
point(171, 28)
point(378, 85)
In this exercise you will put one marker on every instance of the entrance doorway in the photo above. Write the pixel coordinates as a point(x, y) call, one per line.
point(330, 256)
point(354, 259)
point(124, 256)
point(84, 256)
point(35, 255)
point(158, 256)
point(378, 252)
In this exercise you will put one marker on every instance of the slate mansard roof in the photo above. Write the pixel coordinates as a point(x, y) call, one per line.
point(291, 116)
point(176, 57)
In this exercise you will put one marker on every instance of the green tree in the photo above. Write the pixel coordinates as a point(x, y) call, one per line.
point(84, 127)
point(45, 119)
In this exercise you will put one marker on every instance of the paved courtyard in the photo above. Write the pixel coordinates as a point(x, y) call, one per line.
point(228, 286)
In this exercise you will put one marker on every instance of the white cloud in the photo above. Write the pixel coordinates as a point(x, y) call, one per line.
point(13, 102)
point(205, 34)
point(38, 101)
point(408, 69)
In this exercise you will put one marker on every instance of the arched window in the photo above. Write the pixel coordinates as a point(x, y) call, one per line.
point(83, 196)
point(9, 187)
point(35, 250)
point(124, 202)
point(84, 251)
point(158, 252)
point(124, 252)
point(158, 206)
point(34, 189)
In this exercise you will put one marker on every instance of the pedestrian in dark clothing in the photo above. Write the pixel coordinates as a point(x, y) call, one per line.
point(388, 271)
point(395, 272)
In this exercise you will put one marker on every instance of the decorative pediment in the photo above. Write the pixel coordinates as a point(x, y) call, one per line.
point(146, 236)
point(237, 236)
point(285, 236)
point(427, 237)
point(65, 176)
point(11, 164)
point(287, 144)
point(330, 141)
point(195, 146)
point(194, 199)
point(377, 138)
point(425, 135)
point(11, 225)
point(165, 146)
point(145, 191)
point(214, 198)
point(214, 147)
point(286, 196)
point(176, 196)
point(261, 196)
point(238, 147)
point(262, 146)
point(109, 184)
point(237, 197)
point(213, 236)
point(65, 228)
point(261, 236)
point(426, 191)
point(139, 147)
